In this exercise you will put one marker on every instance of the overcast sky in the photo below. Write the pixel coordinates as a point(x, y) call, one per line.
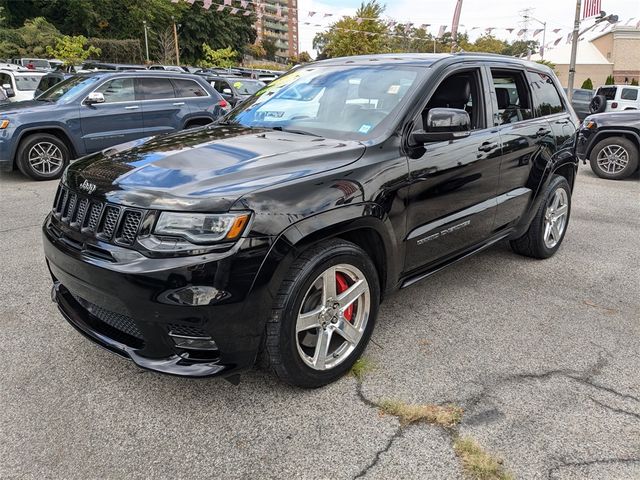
point(475, 13)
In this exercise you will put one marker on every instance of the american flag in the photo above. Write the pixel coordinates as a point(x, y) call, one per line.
point(591, 8)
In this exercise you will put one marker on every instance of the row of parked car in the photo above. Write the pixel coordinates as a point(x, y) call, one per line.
point(608, 98)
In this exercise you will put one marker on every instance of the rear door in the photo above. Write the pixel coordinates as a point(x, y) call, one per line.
point(196, 99)
point(117, 120)
point(527, 143)
point(162, 111)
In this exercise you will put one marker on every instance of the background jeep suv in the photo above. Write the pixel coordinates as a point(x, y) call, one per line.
point(90, 112)
point(275, 235)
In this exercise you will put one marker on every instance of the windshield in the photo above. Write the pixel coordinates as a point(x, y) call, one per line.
point(27, 82)
point(247, 87)
point(68, 88)
point(349, 102)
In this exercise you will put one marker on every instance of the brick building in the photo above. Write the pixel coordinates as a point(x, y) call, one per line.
point(279, 22)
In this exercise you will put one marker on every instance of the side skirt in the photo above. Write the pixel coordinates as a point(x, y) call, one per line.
point(455, 259)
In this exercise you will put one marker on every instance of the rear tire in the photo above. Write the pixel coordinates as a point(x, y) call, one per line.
point(598, 104)
point(548, 227)
point(614, 158)
point(42, 156)
point(306, 336)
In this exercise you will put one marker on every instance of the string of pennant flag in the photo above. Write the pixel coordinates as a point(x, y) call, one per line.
point(262, 8)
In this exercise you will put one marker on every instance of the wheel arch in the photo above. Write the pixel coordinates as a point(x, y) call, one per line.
point(604, 134)
point(56, 131)
point(363, 225)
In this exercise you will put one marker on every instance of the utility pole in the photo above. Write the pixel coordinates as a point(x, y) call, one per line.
point(574, 50)
point(454, 26)
point(146, 39)
point(175, 40)
point(525, 27)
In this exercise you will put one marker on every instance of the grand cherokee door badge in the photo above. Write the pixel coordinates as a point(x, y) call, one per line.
point(444, 232)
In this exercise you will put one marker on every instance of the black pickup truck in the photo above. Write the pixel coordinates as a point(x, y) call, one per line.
point(610, 142)
point(273, 235)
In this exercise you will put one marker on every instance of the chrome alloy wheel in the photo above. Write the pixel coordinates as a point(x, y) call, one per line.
point(333, 317)
point(555, 218)
point(45, 158)
point(612, 159)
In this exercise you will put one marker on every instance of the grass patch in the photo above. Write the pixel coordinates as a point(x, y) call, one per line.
point(361, 367)
point(478, 464)
point(444, 416)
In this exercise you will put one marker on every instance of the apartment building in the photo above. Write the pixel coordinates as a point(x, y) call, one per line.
point(278, 21)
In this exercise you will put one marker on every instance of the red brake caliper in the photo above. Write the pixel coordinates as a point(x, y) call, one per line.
point(342, 285)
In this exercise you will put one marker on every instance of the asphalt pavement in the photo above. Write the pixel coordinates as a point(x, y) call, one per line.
point(543, 356)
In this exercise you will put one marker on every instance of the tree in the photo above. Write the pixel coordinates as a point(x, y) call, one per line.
point(634, 82)
point(270, 48)
point(165, 47)
point(520, 47)
point(256, 50)
point(302, 57)
point(223, 57)
point(610, 80)
point(72, 50)
point(587, 84)
point(362, 34)
point(486, 43)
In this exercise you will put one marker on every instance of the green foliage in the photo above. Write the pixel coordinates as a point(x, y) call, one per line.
point(587, 84)
point(72, 50)
point(610, 80)
point(634, 82)
point(118, 51)
point(270, 49)
point(302, 57)
point(486, 43)
point(256, 50)
point(30, 40)
point(223, 57)
point(549, 64)
point(349, 37)
point(520, 47)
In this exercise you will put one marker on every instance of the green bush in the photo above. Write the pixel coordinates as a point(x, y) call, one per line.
point(587, 84)
point(610, 80)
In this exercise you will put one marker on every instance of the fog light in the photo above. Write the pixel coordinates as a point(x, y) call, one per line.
point(193, 343)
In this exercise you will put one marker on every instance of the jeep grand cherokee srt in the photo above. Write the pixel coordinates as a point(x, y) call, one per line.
point(273, 235)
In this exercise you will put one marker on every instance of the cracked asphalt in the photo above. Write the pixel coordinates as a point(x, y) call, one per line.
point(542, 356)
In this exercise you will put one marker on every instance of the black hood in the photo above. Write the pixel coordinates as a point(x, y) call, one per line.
point(206, 169)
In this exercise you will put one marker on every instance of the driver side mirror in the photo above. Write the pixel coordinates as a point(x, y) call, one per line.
point(8, 90)
point(227, 91)
point(93, 98)
point(443, 124)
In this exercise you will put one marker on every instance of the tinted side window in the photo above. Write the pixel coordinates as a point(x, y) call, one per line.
point(156, 88)
point(188, 88)
point(220, 85)
point(629, 94)
point(608, 92)
point(512, 94)
point(548, 100)
point(118, 90)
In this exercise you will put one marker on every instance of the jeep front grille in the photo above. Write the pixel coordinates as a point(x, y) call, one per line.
point(102, 220)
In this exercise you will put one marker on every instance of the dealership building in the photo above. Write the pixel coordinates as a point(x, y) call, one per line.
point(615, 52)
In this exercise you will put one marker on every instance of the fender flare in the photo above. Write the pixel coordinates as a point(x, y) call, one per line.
point(316, 228)
point(608, 133)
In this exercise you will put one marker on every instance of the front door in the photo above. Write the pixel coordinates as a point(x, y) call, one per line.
point(453, 183)
point(117, 120)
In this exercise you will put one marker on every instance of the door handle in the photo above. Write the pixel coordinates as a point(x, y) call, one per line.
point(487, 147)
point(542, 132)
point(132, 107)
point(178, 104)
point(562, 122)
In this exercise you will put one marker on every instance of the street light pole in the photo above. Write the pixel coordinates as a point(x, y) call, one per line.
point(175, 39)
point(454, 26)
point(146, 39)
point(574, 50)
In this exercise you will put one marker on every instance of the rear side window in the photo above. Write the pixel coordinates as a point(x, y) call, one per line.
point(608, 92)
point(548, 100)
point(118, 90)
point(156, 88)
point(27, 82)
point(582, 95)
point(188, 88)
point(512, 94)
point(629, 94)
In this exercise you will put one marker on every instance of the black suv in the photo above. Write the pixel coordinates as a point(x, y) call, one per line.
point(611, 143)
point(274, 234)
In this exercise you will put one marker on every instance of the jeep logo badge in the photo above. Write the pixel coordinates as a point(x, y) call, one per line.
point(87, 186)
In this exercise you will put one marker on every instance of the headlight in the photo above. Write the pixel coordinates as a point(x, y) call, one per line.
point(202, 227)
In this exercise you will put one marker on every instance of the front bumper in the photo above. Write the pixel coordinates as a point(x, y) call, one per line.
point(126, 309)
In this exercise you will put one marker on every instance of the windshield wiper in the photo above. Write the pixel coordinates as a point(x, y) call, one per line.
point(299, 132)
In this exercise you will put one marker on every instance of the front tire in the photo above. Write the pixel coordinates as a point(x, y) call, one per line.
point(323, 315)
point(614, 158)
point(42, 156)
point(547, 230)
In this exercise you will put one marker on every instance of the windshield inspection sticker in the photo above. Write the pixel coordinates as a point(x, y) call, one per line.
point(365, 128)
point(393, 89)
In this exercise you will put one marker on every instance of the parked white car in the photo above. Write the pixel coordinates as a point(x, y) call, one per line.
point(615, 98)
point(19, 85)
